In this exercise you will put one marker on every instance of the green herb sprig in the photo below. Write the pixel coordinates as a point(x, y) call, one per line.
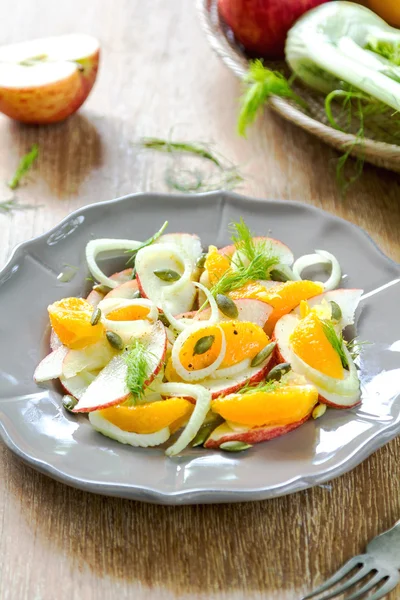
point(148, 242)
point(225, 175)
point(260, 256)
point(261, 83)
point(24, 166)
point(137, 362)
point(336, 341)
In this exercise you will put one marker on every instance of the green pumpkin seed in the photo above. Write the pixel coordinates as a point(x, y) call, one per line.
point(164, 320)
point(263, 354)
point(235, 446)
point(278, 372)
point(227, 306)
point(102, 289)
point(69, 403)
point(336, 311)
point(201, 260)
point(137, 294)
point(114, 340)
point(203, 434)
point(203, 344)
point(167, 275)
point(277, 275)
point(96, 316)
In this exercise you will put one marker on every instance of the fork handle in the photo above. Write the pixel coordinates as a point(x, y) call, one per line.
point(386, 546)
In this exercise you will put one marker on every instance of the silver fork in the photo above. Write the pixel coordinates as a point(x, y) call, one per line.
point(382, 561)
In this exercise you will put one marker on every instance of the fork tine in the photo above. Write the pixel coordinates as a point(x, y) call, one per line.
point(377, 578)
point(338, 576)
point(386, 588)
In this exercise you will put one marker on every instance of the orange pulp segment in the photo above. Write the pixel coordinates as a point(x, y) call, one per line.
point(283, 297)
point(70, 319)
point(149, 418)
point(243, 340)
point(129, 313)
point(283, 405)
point(310, 343)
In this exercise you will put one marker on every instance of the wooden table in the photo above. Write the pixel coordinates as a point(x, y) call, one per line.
point(57, 543)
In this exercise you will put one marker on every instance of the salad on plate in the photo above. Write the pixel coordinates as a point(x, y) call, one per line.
point(222, 348)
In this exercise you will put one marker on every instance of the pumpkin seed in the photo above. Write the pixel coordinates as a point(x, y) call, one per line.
point(69, 403)
point(102, 289)
point(318, 411)
point(227, 306)
point(114, 340)
point(336, 311)
point(235, 446)
point(164, 320)
point(167, 275)
point(278, 372)
point(203, 434)
point(137, 294)
point(263, 354)
point(277, 275)
point(96, 316)
point(200, 262)
point(203, 344)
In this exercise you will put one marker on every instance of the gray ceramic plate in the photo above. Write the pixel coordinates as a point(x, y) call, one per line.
point(34, 426)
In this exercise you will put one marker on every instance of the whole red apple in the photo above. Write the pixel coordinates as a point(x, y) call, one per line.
point(262, 25)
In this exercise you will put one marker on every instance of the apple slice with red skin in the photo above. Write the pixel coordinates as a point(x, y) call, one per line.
point(51, 366)
point(46, 80)
point(283, 354)
point(91, 358)
point(346, 299)
point(122, 277)
point(280, 249)
point(110, 386)
point(76, 386)
point(230, 385)
point(126, 290)
point(223, 433)
point(250, 310)
point(190, 243)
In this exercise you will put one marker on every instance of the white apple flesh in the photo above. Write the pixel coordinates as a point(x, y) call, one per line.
point(46, 80)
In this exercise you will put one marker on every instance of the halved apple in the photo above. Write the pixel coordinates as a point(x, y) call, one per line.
point(46, 80)
point(110, 386)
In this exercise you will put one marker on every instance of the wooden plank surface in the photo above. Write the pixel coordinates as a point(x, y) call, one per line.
point(158, 73)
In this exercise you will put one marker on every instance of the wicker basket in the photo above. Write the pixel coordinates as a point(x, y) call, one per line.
point(373, 148)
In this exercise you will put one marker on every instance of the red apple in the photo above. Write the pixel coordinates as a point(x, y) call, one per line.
point(262, 25)
point(47, 80)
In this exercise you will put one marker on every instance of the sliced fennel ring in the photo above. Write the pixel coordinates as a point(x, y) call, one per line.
point(321, 257)
point(203, 403)
point(199, 373)
point(96, 247)
point(181, 324)
point(139, 440)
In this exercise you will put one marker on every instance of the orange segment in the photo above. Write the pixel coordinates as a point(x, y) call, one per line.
point(216, 264)
point(243, 340)
point(149, 418)
point(70, 319)
point(170, 374)
point(283, 297)
point(129, 313)
point(310, 343)
point(282, 406)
